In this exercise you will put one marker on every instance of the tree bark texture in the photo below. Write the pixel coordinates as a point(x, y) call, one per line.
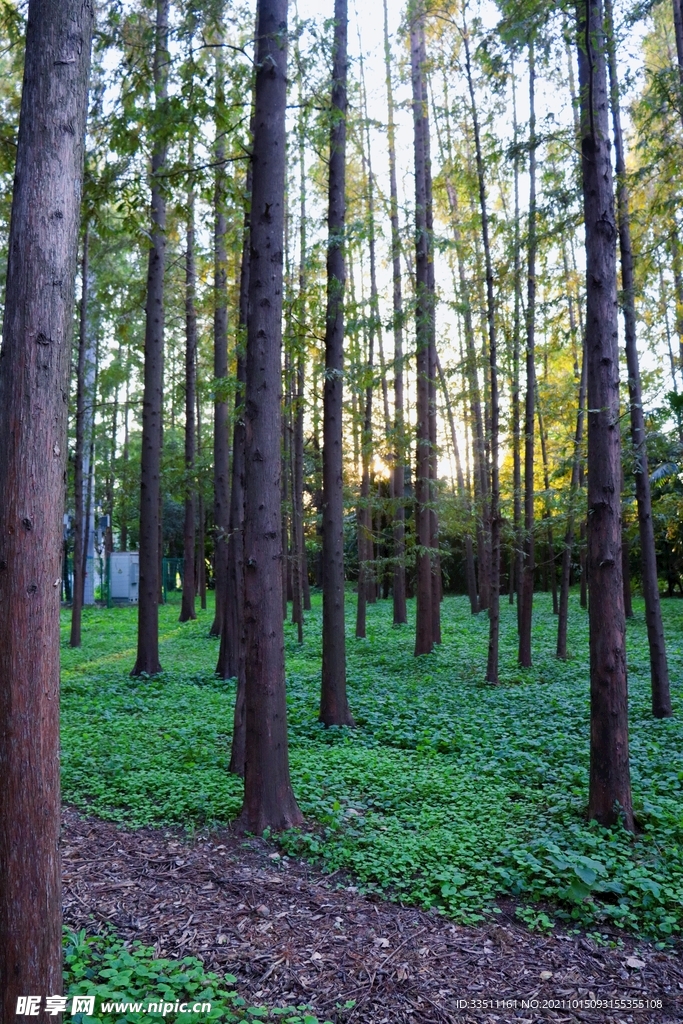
point(494, 510)
point(221, 461)
point(398, 468)
point(298, 474)
point(334, 706)
point(610, 787)
point(152, 402)
point(424, 312)
point(435, 557)
point(34, 367)
point(528, 569)
point(187, 609)
point(268, 797)
point(517, 569)
point(659, 671)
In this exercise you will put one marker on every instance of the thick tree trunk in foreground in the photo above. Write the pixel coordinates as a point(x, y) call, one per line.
point(424, 312)
point(398, 469)
point(34, 369)
point(659, 671)
point(221, 461)
point(268, 797)
point(334, 706)
point(610, 786)
point(152, 402)
point(79, 502)
point(187, 609)
point(527, 589)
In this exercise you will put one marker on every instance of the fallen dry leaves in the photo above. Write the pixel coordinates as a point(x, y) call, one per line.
point(291, 934)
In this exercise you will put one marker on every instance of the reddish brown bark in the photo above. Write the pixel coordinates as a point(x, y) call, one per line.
point(610, 787)
point(187, 609)
point(34, 368)
point(424, 313)
point(398, 469)
point(334, 706)
point(147, 660)
point(221, 461)
point(268, 797)
point(528, 566)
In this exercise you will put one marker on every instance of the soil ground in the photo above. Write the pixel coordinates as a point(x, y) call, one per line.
point(291, 934)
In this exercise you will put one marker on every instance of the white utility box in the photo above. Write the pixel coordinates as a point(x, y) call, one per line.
point(124, 577)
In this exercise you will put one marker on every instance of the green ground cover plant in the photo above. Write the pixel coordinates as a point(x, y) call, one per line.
point(449, 794)
point(117, 973)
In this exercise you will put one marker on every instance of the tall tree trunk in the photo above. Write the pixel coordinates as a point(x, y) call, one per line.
point(297, 531)
point(201, 519)
point(367, 573)
point(268, 797)
point(334, 706)
point(285, 463)
point(462, 493)
point(494, 606)
point(302, 601)
point(550, 543)
point(659, 671)
point(364, 513)
point(111, 477)
point(221, 461)
point(435, 557)
point(563, 612)
point(398, 467)
point(518, 568)
point(123, 539)
point(678, 29)
point(79, 497)
point(34, 368)
point(527, 593)
point(424, 312)
point(464, 298)
point(152, 403)
point(187, 610)
point(610, 787)
point(231, 660)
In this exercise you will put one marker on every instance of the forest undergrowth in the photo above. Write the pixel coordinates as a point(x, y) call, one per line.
point(449, 793)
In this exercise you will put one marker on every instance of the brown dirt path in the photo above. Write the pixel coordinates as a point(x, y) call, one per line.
point(291, 934)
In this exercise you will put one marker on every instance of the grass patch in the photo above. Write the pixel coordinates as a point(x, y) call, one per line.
point(449, 793)
point(122, 973)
